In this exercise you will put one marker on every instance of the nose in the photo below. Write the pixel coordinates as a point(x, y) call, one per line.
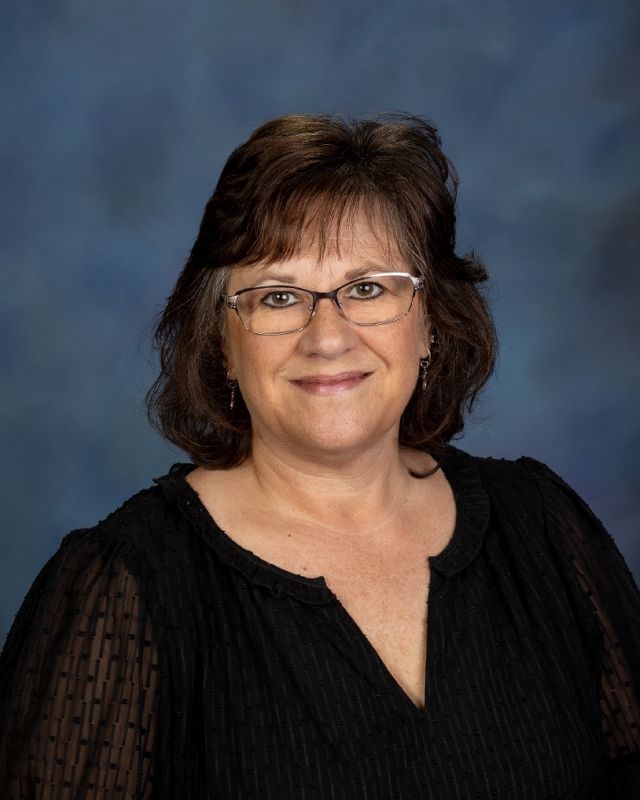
point(328, 334)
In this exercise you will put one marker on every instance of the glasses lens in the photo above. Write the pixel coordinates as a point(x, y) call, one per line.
point(274, 309)
point(376, 300)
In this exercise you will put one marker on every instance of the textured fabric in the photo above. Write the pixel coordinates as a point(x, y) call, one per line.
point(155, 657)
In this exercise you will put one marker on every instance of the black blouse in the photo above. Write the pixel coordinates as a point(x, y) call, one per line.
point(156, 657)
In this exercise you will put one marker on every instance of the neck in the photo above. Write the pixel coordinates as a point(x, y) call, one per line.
point(351, 494)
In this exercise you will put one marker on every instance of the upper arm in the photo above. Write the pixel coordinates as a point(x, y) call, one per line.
point(78, 676)
point(607, 589)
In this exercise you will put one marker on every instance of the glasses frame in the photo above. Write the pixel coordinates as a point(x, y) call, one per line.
point(231, 301)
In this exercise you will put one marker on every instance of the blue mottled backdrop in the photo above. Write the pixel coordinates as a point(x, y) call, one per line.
point(117, 118)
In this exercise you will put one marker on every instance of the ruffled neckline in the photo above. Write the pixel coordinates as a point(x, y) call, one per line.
point(472, 516)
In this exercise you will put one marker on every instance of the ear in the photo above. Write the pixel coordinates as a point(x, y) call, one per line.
point(229, 371)
point(426, 339)
point(227, 359)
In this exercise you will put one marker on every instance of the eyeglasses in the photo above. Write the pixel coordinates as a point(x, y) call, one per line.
point(376, 299)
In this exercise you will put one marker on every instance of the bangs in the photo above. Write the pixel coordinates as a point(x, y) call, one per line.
point(324, 222)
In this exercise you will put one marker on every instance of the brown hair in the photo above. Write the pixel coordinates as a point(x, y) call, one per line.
point(298, 174)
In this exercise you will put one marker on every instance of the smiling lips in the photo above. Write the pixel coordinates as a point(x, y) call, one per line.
point(331, 384)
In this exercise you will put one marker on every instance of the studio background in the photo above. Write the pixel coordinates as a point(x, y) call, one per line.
point(117, 121)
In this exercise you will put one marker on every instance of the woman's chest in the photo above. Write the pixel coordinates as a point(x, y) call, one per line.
point(383, 593)
point(388, 605)
point(329, 685)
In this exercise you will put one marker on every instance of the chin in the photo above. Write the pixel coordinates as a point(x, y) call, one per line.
point(336, 439)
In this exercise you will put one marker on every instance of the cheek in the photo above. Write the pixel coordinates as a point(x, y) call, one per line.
point(257, 366)
point(247, 356)
point(404, 346)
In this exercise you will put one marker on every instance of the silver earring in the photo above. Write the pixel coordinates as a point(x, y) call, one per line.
point(424, 366)
point(231, 383)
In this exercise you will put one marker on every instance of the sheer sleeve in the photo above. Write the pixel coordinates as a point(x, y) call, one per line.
point(78, 679)
point(605, 590)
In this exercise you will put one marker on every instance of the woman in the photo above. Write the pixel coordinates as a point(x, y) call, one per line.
point(330, 601)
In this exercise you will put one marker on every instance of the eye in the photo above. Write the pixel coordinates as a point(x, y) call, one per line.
point(279, 299)
point(365, 291)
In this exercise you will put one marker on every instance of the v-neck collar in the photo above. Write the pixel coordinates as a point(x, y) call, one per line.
point(472, 515)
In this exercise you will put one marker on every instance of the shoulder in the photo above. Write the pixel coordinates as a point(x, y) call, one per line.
point(528, 488)
point(496, 472)
point(145, 523)
point(524, 483)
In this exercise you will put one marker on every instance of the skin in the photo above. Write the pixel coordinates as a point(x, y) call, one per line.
point(325, 453)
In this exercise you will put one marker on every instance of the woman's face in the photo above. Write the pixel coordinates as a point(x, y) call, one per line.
point(333, 388)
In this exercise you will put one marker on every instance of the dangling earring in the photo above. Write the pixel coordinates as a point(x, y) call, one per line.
point(424, 363)
point(231, 383)
point(424, 366)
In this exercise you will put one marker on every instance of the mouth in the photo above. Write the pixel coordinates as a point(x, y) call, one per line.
point(331, 384)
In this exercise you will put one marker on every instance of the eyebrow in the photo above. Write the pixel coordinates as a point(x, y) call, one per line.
point(351, 275)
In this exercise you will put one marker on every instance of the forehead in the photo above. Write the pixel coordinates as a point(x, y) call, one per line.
point(357, 243)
